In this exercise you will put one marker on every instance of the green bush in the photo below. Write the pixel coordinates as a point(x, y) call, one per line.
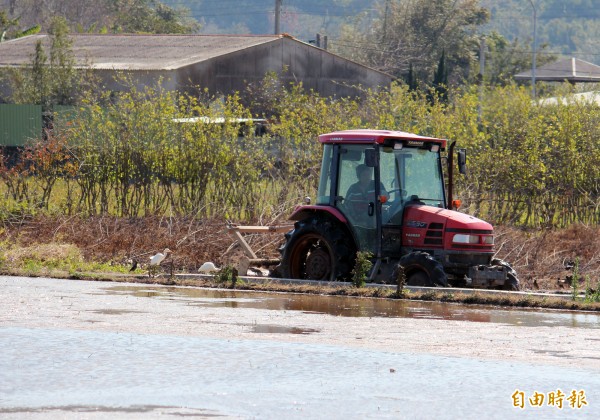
point(361, 268)
point(529, 165)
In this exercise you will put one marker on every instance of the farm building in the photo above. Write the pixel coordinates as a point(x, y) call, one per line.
point(572, 70)
point(221, 63)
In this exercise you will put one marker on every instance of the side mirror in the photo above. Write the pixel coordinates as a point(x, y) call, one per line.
point(371, 158)
point(462, 161)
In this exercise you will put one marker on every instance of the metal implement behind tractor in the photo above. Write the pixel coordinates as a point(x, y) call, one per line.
point(383, 192)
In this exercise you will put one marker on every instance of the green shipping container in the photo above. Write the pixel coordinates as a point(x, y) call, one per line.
point(19, 124)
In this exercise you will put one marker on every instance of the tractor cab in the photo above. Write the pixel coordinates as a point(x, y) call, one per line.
point(370, 182)
point(370, 179)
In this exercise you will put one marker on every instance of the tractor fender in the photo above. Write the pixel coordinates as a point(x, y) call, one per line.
point(303, 212)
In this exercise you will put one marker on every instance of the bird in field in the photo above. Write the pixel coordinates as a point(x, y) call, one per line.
point(565, 283)
point(155, 261)
point(133, 266)
point(159, 257)
point(568, 264)
point(569, 280)
point(536, 286)
point(208, 267)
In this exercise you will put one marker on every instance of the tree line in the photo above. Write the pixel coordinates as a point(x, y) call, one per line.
point(99, 16)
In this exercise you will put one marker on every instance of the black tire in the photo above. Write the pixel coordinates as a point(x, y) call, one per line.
point(421, 269)
point(512, 281)
point(317, 249)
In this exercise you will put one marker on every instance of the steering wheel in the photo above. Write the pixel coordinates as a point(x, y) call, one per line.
point(401, 194)
point(395, 205)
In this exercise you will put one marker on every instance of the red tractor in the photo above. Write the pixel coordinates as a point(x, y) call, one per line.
point(383, 192)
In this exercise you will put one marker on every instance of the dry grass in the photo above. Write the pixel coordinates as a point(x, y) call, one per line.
point(44, 253)
point(542, 255)
point(118, 240)
point(538, 256)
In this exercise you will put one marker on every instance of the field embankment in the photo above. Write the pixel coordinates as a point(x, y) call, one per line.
point(543, 259)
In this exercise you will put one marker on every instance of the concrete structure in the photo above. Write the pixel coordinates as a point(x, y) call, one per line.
point(572, 70)
point(221, 63)
point(583, 98)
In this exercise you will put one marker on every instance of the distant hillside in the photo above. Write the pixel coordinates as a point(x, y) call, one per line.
point(301, 18)
point(568, 27)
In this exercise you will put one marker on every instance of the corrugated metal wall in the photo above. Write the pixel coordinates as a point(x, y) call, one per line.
point(19, 123)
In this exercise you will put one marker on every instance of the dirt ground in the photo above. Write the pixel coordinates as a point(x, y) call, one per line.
point(543, 259)
point(94, 350)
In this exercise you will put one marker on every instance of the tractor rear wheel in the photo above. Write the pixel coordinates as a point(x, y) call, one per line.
point(512, 282)
point(420, 269)
point(317, 249)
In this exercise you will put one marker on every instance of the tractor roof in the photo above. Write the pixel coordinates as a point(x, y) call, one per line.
point(375, 136)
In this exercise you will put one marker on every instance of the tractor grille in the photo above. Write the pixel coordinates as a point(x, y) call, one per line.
point(434, 234)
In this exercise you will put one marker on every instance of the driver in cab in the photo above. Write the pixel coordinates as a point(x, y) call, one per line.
point(362, 193)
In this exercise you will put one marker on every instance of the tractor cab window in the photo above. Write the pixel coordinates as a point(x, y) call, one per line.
point(414, 176)
point(423, 177)
point(356, 194)
point(325, 181)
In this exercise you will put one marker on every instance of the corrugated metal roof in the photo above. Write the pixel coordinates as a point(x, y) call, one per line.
point(570, 69)
point(135, 52)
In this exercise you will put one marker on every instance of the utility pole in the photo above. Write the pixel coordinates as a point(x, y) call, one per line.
point(482, 57)
point(481, 74)
point(385, 20)
point(534, 48)
point(278, 16)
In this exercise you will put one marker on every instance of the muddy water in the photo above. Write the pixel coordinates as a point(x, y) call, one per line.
point(50, 370)
point(92, 350)
point(360, 307)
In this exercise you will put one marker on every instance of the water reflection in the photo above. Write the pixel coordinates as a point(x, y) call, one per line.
point(115, 311)
point(360, 307)
point(278, 329)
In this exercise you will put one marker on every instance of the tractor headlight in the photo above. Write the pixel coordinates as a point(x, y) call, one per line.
point(465, 239)
point(488, 240)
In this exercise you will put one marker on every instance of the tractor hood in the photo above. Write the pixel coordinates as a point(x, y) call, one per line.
point(450, 219)
point(432, 227)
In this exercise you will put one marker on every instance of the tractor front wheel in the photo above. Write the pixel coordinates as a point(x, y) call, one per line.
point(420, 269)
point(317, 249)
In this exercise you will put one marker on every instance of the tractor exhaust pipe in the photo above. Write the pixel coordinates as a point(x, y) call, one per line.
point(462, 168)
point(450, 175)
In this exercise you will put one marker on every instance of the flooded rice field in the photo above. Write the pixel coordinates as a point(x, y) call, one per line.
point(360, 307)
point(73, 349)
